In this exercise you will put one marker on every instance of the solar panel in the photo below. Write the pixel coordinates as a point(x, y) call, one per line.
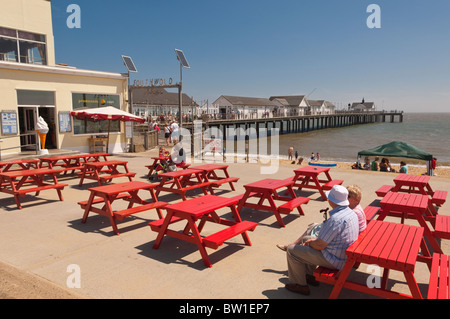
point(182, 59)
point(129, 63)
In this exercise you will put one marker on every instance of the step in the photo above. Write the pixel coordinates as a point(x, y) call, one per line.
point(217, 239)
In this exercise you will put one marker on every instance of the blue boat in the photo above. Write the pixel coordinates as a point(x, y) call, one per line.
point(323, 165)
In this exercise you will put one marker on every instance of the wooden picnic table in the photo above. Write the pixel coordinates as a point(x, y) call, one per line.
point(27, 163)
point(415, 206)
point(95, 171)
point(391, 246)
point(414, 184)
point(17, 182)
point(181, 181)
point(310, 177)
point(128, 191)
point(217, 174)
point(71, 162)
point(204, 209)
point(267, 189)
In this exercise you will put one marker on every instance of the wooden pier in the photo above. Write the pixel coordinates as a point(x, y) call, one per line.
point(300, 124)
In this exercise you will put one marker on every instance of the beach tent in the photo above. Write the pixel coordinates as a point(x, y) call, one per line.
point(397, 149)
point(109, 113)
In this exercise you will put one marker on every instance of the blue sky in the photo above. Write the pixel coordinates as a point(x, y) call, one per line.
point(261, 48)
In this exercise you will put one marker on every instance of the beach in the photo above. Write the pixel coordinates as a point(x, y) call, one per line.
point(38, 242)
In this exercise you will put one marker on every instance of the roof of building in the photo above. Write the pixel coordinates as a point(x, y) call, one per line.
point(248, 101)
point(159, 96)
point(367, 105)
point(289, 100)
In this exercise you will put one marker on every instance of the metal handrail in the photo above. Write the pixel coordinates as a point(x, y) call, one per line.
point(36, 145)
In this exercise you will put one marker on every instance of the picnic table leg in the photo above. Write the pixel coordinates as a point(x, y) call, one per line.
point(275, 209)
point(88, 207)
point(342, 278)
point(163, 230)
point(415, 292)
point(198, 241)
point(238, 219)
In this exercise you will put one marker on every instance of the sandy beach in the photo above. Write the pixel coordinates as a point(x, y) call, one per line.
point(33, 271)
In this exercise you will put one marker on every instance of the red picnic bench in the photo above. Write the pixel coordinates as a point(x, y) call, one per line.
point(204, 209)
point(10, 184)
point(391, 246)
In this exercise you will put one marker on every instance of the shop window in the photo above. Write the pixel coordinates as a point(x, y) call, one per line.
point(89, 101)
point(23, 47)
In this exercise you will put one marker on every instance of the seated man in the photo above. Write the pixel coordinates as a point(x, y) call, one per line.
point(326, 250)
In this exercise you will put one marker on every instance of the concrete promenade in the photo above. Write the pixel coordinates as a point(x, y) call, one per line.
point(46, 237)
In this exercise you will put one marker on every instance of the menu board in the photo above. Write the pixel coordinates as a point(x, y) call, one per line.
point(65, 122)
point(9, 122)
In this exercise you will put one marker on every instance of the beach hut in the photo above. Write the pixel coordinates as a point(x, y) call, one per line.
point(398, 149)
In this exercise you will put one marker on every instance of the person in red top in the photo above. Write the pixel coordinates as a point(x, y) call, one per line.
point(432, 166)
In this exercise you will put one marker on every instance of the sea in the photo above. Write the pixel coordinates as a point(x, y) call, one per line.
point(427, 131)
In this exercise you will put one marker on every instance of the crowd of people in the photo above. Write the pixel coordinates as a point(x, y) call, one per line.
point(383, 166)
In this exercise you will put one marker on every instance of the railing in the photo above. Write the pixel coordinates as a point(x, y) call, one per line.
point(36, 145)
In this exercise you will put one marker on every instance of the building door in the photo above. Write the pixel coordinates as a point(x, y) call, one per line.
point(27, 123)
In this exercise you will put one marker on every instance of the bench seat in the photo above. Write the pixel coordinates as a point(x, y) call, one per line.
point(292, 204)
point(239, 197)
point(102, 200)
point(328, 186)
point(439, 286)
point(120, 215)
point(439, 197)
point(110, 177)
point(40, 188)
point(383, 190)
point(217, 183)
point(371, 212)
point(217, 239)
point(326, 275)
point(156, 225)
point(442, 226)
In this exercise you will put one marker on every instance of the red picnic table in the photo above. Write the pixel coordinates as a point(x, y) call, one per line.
point(391, 246)
point(27, 163)
point(217, 174)
point(128, 191)
point(202, 208)
point(71, 162)
point(16, 182)
point(266, 189)
point(181, 181)
point(95, 171)
point(309, 177)
point(415, 206)
point(157, 160)
point(416, 184)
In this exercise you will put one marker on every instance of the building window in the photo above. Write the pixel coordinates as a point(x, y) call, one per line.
point(89, 101)
point(23, 47)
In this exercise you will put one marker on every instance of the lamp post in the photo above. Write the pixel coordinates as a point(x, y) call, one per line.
point(183, 64)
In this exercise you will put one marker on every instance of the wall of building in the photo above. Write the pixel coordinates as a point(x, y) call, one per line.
point(63, 85)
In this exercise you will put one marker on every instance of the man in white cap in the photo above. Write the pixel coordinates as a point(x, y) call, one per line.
point(328, 249)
